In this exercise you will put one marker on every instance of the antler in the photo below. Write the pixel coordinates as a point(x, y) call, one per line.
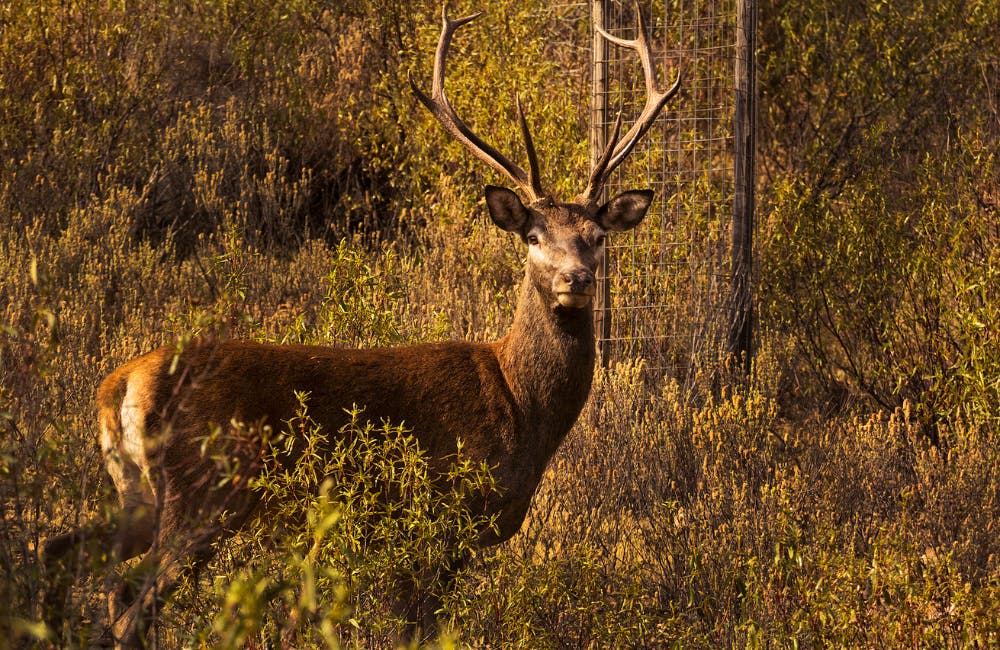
point(617, 150)
point(439, 106)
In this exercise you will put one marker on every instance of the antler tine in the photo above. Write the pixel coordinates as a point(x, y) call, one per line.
point(656, 99)
point(437, 103)
point(597, 175)
point(529, 144)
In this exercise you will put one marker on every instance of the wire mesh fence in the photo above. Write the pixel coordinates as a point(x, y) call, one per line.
point(668, 282)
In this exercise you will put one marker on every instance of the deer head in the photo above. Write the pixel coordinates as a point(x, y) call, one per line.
point(566, 240)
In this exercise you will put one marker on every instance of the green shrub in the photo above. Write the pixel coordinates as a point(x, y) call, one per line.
point(339, 534)
point(878, 253)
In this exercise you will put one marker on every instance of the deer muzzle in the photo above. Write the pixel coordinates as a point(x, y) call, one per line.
point(575, 288)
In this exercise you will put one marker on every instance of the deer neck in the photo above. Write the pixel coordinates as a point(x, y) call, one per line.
point(548, 361)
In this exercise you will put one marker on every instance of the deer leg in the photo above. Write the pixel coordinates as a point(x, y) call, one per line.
point(132, 606)
point(62, 558)
point(419, 598)
point(93, 545)
point(183, 543)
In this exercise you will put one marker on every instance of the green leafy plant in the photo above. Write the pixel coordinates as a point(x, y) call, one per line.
point(359, 532)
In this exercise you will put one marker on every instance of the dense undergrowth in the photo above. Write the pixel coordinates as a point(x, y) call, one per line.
point(254, 170)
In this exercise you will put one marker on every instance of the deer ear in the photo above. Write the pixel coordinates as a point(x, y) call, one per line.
point(506, 209)
point(625, 211)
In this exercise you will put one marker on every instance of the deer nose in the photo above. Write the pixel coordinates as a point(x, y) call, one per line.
point(579, 281)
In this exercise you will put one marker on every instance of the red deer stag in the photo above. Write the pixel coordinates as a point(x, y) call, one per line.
point(511, 401)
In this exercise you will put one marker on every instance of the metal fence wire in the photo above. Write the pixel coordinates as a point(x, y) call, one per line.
point(668, 282)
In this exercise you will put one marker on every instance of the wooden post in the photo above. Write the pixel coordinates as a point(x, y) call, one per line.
point(740, 338)
point(598, 140)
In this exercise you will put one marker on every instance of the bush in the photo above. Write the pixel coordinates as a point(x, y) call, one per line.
point(340, 534)
point(878, 250)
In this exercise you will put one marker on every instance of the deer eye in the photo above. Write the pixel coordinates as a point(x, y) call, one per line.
point(533, 240)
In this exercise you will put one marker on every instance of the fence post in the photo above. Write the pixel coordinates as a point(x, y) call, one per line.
point(741, 325)
point(598, 137)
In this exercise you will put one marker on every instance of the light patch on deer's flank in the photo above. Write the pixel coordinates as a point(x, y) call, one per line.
point(123, 425)
point(133, 417)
